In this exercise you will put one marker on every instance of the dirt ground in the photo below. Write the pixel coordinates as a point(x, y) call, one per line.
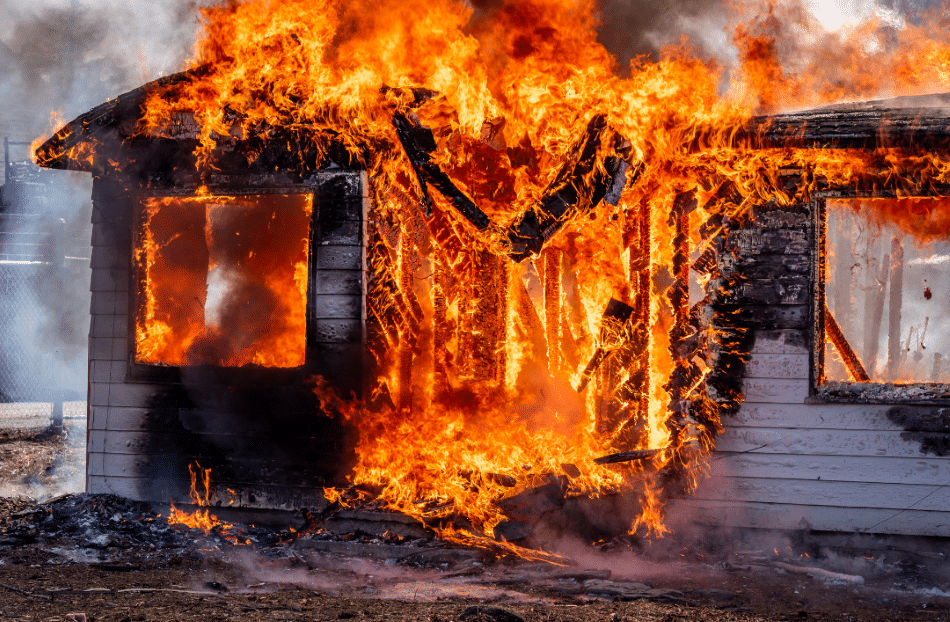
point(110, 559)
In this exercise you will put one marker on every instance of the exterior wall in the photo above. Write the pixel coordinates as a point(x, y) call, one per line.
point(260, 431)
point(115, 406)
point(788, 461)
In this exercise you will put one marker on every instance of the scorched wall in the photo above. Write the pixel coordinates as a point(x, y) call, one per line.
point(789, 458)
point(260, 430)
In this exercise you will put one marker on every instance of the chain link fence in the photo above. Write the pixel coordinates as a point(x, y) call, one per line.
point(44, 286)
point(31, 276)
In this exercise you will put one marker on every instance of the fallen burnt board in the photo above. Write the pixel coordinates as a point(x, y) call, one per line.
point(111, 558)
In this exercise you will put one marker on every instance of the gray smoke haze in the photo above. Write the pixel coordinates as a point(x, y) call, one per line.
point(71, 56)
point(632, 28)
point(68, 57)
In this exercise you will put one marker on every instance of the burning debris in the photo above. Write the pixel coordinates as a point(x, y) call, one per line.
point(104, 554)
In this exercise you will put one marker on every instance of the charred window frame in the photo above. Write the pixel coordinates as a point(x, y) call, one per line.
point(839, 371)
point(336, 281)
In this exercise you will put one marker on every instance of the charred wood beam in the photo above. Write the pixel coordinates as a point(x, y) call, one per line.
point(612, 328)
point(627, 456)
point(575, 183)
point(918, 122)
point(679, 292)
point(684, 377)
point(706, 262)
point(552, 306)
point(419, 142)
point(641, 275)
point(851, 360)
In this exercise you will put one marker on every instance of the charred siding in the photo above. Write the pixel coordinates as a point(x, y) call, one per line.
point(261, 431)
point(785, 459)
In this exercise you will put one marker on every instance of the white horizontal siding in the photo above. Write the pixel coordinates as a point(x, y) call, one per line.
point(783, 464)
point(877, 469)
point(821, 518)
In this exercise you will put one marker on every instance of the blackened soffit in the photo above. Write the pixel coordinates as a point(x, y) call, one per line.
point(73, 145)
point(920, 122)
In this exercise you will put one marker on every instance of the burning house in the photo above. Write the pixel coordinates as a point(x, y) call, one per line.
point(323, 297)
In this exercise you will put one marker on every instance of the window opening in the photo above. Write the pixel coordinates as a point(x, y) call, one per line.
point(223, 280)
point(886, 288)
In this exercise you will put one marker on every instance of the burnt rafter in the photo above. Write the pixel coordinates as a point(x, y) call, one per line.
point(419, 143)
point(628, 456)
point(567, 193)
point(577, 186)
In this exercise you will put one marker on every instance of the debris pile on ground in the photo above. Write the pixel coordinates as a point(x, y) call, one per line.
point(111, 558)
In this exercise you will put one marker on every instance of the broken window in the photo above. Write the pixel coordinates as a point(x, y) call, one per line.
point(886, 290)
point(223, 280)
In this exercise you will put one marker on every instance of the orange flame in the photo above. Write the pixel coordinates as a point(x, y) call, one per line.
point(202, 518)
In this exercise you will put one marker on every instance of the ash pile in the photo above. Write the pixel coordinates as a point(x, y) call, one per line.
point(105, 526)
point(115, 534)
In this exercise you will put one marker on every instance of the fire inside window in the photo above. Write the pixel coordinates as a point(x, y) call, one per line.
point(886, 291)
point(223, 280)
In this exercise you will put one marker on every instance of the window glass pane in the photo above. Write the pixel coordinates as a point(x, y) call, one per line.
point(224, 280)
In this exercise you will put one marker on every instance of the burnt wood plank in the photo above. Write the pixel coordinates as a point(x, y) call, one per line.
point(769, 317)
point(787, 291)
point(781, 342)
point(331, 306)
point(341, 282)
point(784, 366)
point(338, 331)
point(340, 232)
point(775, 390)
point(209, 445)
point(764, 241)
point(767, 266)
point(233, 470)
point(781, 217)
point(248, 496)
point(339, 258)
